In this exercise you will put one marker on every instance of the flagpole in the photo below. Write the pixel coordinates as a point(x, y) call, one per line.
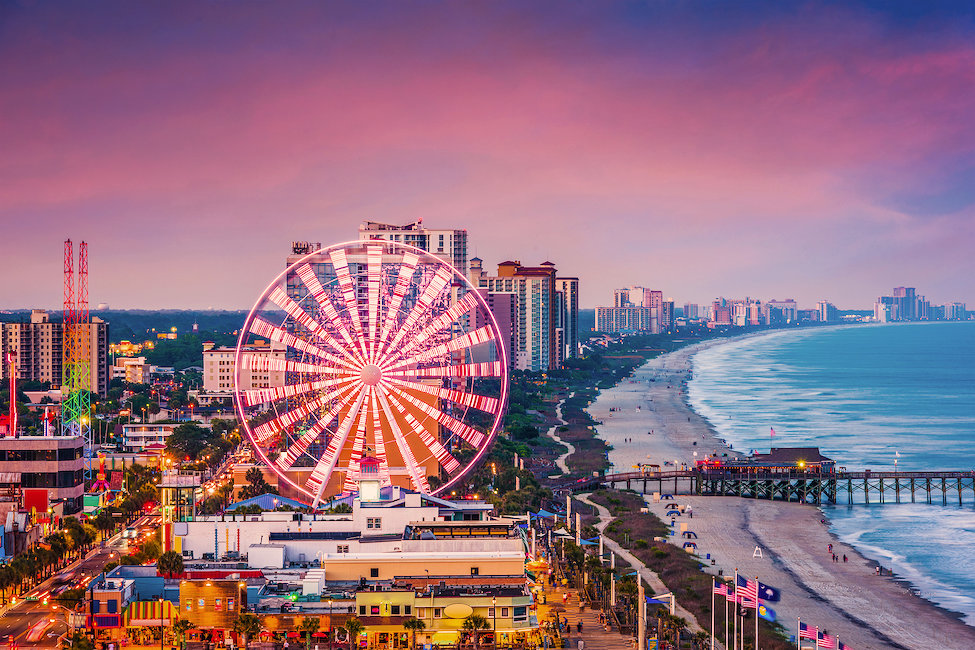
point(756, 612)
point(798, 632)
point(712, 613)
point(727, 623)
point(736, 608)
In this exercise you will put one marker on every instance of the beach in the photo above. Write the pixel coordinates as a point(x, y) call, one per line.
point(645, 419)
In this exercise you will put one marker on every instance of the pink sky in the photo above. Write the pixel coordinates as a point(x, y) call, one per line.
point(817, 151)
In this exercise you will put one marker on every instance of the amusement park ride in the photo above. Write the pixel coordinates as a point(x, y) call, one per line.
point(76, 360)
point(390, 352)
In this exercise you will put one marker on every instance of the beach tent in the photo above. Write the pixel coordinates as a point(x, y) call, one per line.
point(673, 513)
point(690, 545)
point(667, 496)
point(689, 534)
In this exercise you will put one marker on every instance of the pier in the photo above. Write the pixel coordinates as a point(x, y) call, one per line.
point(803, 487)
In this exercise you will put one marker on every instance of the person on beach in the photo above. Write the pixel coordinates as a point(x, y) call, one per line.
point(844, 558)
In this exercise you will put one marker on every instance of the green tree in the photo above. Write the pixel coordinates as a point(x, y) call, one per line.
point(80, 641)
point(180, 628)
point(354, 627)
point(170, 564)
point(309, 625)
point(247, 626)
point(474, 624)
point(414, 625)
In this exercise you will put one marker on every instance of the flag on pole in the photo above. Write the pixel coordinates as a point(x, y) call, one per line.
point(843, 646)
point(747, 589)
point(719, 588)
point(807, 632)
point(826, 641)
point(767, 613)
point(768, 593)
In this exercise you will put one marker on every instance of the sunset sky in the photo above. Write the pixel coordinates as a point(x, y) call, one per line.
point(816, 150)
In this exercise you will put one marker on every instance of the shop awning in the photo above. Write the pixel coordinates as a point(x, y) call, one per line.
point(149, 613)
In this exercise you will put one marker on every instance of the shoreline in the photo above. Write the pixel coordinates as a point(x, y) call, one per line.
point(848, 599)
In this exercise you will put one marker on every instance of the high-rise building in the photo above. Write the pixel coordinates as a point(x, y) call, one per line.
point(781, 312)
point(38, 346)
point(545, 311)
point(827, 312)
point(219, 368)
point(692, 311)
point(567, 290)
point(448, 245)
point(955, 311)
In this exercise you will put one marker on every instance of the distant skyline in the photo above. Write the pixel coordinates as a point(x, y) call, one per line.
point(815, 150)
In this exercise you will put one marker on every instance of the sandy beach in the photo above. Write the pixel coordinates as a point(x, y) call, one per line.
point(846, 598)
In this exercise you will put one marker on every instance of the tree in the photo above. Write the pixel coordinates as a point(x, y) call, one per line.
point(354, 627)
point(309, 625)
point(247, 626)
point(414, 625)
point(170, 564)
point(180, 628)
point(474, 624)
point(80, 641)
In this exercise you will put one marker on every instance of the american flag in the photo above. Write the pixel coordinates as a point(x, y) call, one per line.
point(746, 602)
point(806, 632)
point(747, 588)
point(719, 588)
point(826, 641)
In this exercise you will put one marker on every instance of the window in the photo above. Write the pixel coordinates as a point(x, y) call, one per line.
point(437, 612)
point(362, 610)
point(421, 612)
point(504, 612)
point(342, 548)
point(475, 571)
point(408, 609)
point(374, 610)
point(374, 522)
point(491, 612)
point(374, 572)
point(394, 610)
point(112, 606)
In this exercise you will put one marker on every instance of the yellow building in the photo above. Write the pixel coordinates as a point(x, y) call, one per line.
point(508, 610)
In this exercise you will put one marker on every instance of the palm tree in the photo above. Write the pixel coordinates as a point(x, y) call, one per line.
point(474, 624)
point(170, 564)
point(702, 640)
point(354, 627)
point(414, 625)
point(246, 626)
point(180, 628)
point(309, 625)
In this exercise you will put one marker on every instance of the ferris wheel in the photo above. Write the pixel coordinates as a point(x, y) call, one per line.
point(370, 348)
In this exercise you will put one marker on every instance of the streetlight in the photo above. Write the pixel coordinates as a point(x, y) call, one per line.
point(161, 624)
point(330, 635)
point(494, 620)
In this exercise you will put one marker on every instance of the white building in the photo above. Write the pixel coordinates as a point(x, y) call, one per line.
point(218, 367)
point(134, 370)
point(448, 245)
point(136, 437)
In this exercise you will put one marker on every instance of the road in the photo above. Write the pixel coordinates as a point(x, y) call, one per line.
point(49, 620)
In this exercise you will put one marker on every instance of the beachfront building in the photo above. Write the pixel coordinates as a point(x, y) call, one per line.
point(450, 245)
point(636, 310)
point(544, 312)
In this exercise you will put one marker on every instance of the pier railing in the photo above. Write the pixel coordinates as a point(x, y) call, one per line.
point(865, 486)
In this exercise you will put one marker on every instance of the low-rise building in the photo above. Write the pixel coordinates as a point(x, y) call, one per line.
point(139, 437)
point(55, 464)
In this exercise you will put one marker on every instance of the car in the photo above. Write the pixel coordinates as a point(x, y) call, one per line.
point(130, 533)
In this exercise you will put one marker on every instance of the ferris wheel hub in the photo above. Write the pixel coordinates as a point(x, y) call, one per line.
point(371, 374)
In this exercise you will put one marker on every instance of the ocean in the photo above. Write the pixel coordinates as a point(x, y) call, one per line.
point(878, 397)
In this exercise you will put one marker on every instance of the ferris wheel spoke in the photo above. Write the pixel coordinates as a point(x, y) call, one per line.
point(287, 460)
point(254, 396)
point(480, 402)
point(293, 309)
point(418, 478)
point(310, 280)
point(403, 281)
point(484, 369)
point(440, 323)
point(469, 434)
point(261, 327)
point(377, 437)
point(281, 423)
point(444, 457)
point(374, 262)
point(326, 465)
point(352, 475)
point(341, 265)
point(270, 364)
point(472, 339)
point(432, 290)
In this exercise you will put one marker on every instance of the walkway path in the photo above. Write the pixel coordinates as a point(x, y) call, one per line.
point(595, 636)
point(560, 461)
point(648, 576)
